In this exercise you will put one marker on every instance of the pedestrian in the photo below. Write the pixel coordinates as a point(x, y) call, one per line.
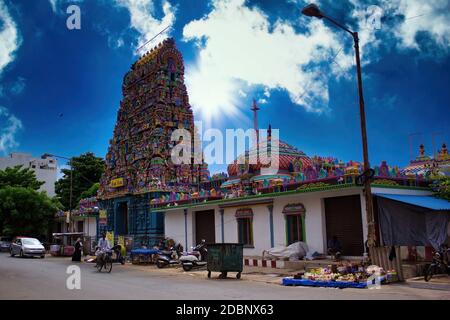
point(78, 250)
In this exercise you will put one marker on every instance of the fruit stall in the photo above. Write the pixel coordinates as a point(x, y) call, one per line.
point(342, 276)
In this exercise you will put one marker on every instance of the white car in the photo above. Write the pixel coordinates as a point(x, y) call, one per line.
point(27, 247)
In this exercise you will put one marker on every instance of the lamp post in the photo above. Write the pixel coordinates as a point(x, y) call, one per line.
point(71, 187)
point(313, 10)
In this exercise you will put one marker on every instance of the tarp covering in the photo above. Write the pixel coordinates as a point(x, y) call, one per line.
point(403, 224)
point(294, 252)
point(428, 202)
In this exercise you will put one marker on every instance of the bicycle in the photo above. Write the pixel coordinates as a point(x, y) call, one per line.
point(105, 262)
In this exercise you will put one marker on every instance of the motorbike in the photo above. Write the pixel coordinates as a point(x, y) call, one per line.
point(440, 263)
point(169, 257)
point(118, 257)
point(196, 258)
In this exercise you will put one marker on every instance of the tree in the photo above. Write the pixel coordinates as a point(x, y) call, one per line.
point(19, 177)
point(91, 192)
point(442, 188)
point(87, 170)
point(24, 211)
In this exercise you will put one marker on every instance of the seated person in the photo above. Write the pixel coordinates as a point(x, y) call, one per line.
point(334, 247)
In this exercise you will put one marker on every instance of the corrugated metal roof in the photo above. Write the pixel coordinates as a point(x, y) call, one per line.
point(429, 202)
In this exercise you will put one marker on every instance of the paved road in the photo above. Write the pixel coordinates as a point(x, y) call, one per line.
point(46, 279)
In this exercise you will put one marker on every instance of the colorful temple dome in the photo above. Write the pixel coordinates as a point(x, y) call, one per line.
point(290, 160)
point(427, 166)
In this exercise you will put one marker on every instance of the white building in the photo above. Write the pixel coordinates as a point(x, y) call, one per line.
point(44, 168)
point(262, 222)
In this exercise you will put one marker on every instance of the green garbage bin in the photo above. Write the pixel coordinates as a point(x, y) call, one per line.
point(224, 258)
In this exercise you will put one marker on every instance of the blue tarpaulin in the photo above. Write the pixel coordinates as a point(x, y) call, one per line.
point(145, 251)
point(409, 220)
point(428, 202)
point(327, 284)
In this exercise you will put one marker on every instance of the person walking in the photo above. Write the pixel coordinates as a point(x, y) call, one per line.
point(78, 250)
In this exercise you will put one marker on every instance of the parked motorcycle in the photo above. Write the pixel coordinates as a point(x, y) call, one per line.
point(118, 257)
point(169, 257)
point(196, 258)
point(440, 263)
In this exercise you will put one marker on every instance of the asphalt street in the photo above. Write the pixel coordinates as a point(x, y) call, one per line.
point(32, 278)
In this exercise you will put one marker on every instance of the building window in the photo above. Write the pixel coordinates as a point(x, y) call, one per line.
point(294, 214)
point(294, 228)
point(80, 226)
point(245, 226)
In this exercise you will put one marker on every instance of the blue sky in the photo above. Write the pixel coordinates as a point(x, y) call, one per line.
point(60, 89)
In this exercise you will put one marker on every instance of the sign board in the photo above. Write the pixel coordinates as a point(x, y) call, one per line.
point(110, 238)
point(116, 183)
point(102, 218)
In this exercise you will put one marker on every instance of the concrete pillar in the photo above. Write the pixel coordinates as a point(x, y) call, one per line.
point(272, 241)
point(222, 224)
point(185, 229)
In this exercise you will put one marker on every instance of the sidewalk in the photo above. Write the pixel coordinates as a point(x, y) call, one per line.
point(438, 282)
point(258, 274)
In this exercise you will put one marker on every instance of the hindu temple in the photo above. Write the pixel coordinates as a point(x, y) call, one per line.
point(138, 162)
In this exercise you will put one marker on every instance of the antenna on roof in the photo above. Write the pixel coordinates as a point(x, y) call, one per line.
point(411, 142)
point(137, 50)
point(433, 135)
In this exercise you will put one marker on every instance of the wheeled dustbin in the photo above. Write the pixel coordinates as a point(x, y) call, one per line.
point(224, 258)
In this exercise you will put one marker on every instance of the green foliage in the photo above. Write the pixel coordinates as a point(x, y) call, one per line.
point(442, 188)
point(24, 211)
point(19, 177)
point(87, 170)
point(91, 192)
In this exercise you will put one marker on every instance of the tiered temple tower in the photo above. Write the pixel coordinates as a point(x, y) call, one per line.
point(138, 163)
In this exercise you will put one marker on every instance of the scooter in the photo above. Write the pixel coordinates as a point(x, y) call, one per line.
point(169, 257)
point(196, 258)
point(118, 258)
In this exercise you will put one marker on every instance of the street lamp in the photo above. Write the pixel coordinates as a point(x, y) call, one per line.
point(71, 186)
point(313, 10)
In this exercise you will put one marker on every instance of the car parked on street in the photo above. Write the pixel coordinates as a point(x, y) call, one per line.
point(27, 247)
point(5, 244)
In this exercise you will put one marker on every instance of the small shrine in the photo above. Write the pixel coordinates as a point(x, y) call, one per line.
point(429, 167)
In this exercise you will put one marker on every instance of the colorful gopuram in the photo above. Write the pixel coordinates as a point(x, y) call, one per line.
point(139, 168)
point(429, 167)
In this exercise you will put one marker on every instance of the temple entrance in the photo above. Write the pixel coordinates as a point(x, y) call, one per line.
point(343, 219)
point(205, 226)
point(122, 219)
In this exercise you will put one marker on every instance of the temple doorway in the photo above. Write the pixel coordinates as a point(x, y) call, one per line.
point(205, 228)
point(122, 219)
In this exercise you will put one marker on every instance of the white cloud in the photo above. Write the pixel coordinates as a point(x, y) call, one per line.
point(9, 127)
point(262, 101)
point(10, 39)
point(59, 173)
point(56, 5)
point(417, 16)
point(242, 93)
point(238, 46)
point(53, 3)
point(143, 20)
point(424, 16)
point(18, 86)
